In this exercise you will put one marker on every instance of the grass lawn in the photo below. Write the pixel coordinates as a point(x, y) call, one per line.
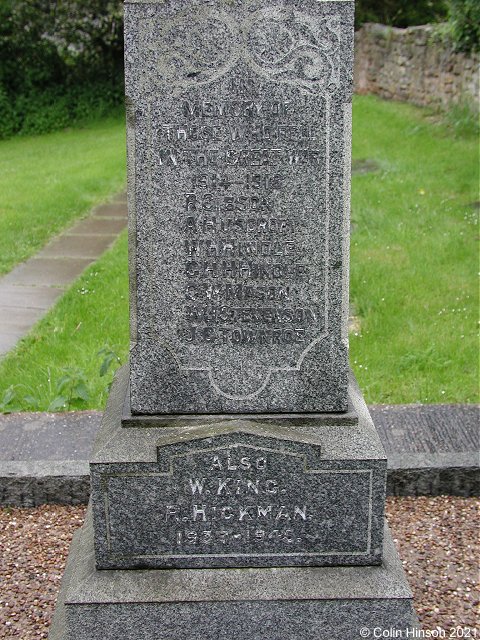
point(47, 181)
point(414, 257)
point(92, 316)
point(414, 269)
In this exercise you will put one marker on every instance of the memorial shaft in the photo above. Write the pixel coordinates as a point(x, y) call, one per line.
point(239, 172)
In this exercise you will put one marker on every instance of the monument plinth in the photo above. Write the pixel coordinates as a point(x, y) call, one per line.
point(237, 493)
point(238, 482)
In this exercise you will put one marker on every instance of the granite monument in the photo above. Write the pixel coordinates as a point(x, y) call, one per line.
point(239, 171)
point(237, 482)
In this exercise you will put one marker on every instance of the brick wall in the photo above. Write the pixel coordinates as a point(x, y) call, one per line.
point(408, 65)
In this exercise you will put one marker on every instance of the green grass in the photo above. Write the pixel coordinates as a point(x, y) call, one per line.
point(414, 257)
point(47, 181)
point(92, 316)
point(413, 280)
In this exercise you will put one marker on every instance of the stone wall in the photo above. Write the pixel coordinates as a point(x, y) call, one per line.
point(408, 65)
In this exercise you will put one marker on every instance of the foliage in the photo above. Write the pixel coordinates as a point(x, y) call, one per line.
point(71, 390)
point(8, 399)
point(458, 21)
point(462, 118)
point(110, 358)
point(400, 13)
point(464, 24)
point(59, 62)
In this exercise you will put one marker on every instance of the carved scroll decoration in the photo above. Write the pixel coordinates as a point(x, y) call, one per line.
point(289, 47)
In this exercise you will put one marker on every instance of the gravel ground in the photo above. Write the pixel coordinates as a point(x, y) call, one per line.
point(437, 539)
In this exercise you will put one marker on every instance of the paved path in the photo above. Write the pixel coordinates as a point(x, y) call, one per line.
point(32, 287)
point(431, 449)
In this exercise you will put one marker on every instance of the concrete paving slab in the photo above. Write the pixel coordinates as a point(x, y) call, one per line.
point(28, 297)
point(31, 288)
point(435, 428)
point(48, 436)
point(8, 340)
point(99, 226)
point(18, 318)
point(77, 246)
point(114, 209)
point(51, 272)
point(432, 449)
point(120, 197)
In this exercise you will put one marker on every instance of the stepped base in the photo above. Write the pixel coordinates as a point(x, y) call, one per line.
point(298, 603)
point(237, 493)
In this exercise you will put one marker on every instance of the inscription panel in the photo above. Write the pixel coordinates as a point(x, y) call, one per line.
point(230, 503)
point(243, 249)
point(238, 252)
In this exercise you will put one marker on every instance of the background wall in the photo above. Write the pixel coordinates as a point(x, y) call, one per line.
point(409, 65)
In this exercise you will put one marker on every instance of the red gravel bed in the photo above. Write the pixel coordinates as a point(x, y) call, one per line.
point(34, 546)
point(439, 544)
point(437, 538)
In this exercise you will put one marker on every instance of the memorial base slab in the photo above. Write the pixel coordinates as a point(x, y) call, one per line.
point(238, 493)
point(301, 603)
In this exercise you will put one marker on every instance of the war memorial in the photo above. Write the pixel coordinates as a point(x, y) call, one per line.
point(238, 481)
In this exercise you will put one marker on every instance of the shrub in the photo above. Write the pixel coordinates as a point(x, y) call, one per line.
point(8, 121)
point(461, 18)
point(464, 24)
point(60, 62)
point(400, 13)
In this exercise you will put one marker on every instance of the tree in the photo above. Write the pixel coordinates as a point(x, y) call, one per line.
point(400, 13)
point(464, 24)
